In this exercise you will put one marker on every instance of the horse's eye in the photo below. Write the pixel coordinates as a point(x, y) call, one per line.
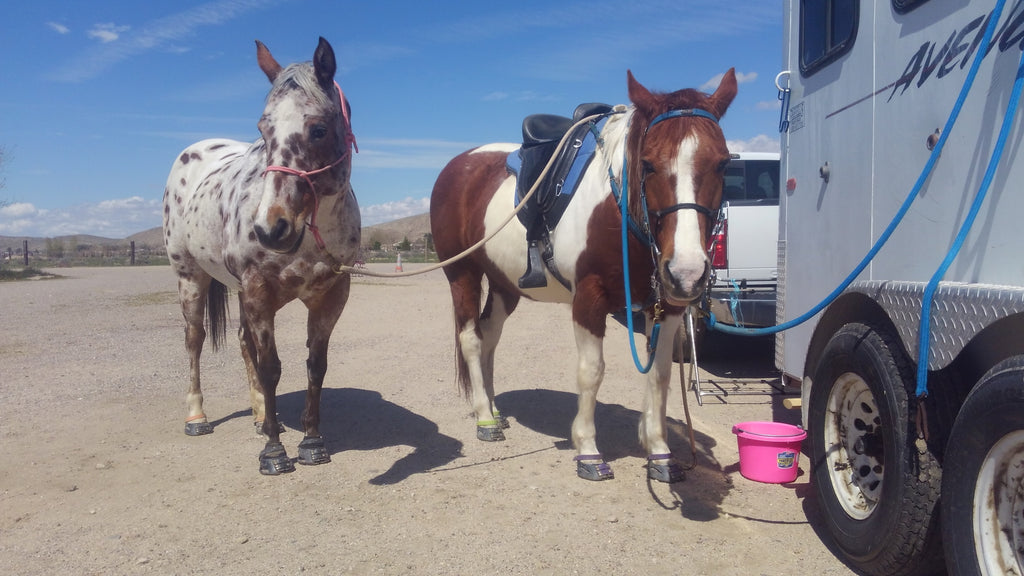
point(648, 167)
point(723, 165)
point(317, 132)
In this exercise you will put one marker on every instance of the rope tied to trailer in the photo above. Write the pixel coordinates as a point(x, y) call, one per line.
point(924, 332)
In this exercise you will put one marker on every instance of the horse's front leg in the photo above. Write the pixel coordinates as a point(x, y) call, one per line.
point(660, 464)
point(324, 312)
point(259, 314)
point(590, 465)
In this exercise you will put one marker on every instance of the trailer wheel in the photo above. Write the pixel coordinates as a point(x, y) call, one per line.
point(983, 489)
point(877, 486)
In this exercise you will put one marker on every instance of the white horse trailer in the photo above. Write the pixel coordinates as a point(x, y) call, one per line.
point(908, 468)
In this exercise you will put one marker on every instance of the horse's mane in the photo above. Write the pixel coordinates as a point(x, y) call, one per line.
point(300, 76)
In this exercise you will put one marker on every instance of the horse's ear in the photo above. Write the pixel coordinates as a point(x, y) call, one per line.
point(324, 64)
point(267, 63)
point(637, 93)
point(723, 96)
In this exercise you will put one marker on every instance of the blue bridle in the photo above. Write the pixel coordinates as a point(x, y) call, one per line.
point(642, 231)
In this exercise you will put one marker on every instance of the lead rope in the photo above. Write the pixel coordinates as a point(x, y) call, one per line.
point(343, 269)
point(686, 404)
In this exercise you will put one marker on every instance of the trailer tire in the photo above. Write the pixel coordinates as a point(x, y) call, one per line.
point(877, 486)
point(983, 489)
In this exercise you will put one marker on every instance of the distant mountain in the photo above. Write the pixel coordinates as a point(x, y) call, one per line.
point(413, 228)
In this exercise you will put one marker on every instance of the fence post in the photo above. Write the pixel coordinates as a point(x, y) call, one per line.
point(133, 252)
point(25, 252)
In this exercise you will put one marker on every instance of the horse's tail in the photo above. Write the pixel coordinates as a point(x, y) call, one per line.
point(217, 313)
point(461, 368)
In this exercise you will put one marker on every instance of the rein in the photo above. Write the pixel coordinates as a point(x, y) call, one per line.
point(350, 144)
point(642, 231)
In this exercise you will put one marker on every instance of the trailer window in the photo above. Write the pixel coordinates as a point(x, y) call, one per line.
point(904, 6)
point(827, 30)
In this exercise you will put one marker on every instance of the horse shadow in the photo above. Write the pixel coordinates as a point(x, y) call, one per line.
point(550, 412)
point(355, 419)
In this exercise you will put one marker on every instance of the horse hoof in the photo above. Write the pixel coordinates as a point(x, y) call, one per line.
point(198, 428)
point(592, 467)
point(313, 451)
point(274, 460)
point(490, 433)
point(668, 473)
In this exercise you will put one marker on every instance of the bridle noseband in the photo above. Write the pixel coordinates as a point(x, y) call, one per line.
point(350, 144)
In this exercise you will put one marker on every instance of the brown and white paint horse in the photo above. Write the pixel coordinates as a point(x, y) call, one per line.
point(236, 215)
point(680, 162)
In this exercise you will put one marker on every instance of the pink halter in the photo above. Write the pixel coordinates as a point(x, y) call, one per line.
point(350, 143)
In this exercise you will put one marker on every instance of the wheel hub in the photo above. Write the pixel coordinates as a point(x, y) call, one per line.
point(999, 506)
point(853, 445)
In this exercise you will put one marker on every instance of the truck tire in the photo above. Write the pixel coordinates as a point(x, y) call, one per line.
point(983, 488)
point(877, 486)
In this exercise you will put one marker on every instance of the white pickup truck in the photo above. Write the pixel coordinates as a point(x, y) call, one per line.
point(744, 245)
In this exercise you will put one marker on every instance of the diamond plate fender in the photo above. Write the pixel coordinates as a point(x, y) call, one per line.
point(959, 312)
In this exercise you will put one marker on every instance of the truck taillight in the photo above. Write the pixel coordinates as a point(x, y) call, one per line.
point(717, 250)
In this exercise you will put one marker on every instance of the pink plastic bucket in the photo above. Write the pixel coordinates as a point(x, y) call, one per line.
point(769, 451)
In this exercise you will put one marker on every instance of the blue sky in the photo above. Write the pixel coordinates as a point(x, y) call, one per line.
point(98, 98)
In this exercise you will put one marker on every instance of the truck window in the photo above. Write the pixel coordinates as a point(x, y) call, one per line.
point(827, 31)
point(751, 182)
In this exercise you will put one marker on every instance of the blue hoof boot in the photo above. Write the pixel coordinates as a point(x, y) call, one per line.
point(274, 460)
point(593, 467)
point(312, 451)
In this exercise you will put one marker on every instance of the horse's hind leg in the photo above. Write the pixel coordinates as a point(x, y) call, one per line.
point(466, 285)
point(193, 292)
point(498, 307)
point(324, 312)
point(248, 345)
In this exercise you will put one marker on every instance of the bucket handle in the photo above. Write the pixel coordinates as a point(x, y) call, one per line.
point(736, 429)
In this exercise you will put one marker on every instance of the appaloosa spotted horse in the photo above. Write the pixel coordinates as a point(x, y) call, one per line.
point(272, 220)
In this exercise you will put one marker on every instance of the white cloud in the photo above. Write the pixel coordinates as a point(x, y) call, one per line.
point(768, 105)
point(389, 211)
point(159, 33)
point(16, 210)
point(118, 218)
point(58, 27)
point(107, 33)
point(759, 143)
point(741, 78)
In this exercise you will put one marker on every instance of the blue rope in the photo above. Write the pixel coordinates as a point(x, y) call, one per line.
point(965, 228)
point(932, 159)
point(656, 330)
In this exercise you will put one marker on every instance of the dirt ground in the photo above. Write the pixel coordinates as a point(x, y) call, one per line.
point(98, 477)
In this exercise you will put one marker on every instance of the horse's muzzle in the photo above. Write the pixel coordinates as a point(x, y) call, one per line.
point(283, 237)
point(681, 289)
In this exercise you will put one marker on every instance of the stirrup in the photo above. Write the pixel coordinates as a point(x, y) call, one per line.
point(534, 276)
